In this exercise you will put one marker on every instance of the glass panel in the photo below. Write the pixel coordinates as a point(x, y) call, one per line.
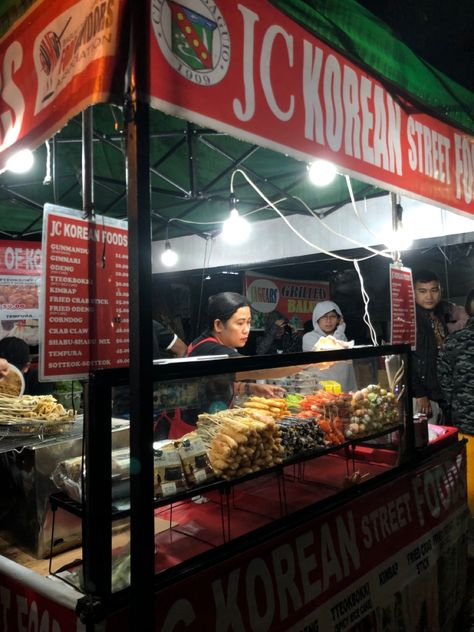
point(228, 460)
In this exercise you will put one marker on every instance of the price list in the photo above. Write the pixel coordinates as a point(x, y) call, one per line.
point(85, 324)
point(402, 306)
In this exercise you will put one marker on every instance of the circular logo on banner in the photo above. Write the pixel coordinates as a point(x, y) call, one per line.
point(194, 39)
point(263, 295)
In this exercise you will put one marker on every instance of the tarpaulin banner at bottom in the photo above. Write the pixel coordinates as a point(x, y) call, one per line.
point(29, 601)
point(391, 559)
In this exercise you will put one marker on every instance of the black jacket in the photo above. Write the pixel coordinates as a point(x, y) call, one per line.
point(456, 377)
point(424, 358)
point(270, 342)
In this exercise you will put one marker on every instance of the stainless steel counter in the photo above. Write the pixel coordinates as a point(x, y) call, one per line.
point(26, 465)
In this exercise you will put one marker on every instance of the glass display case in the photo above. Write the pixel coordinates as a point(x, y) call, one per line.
point(228, 461)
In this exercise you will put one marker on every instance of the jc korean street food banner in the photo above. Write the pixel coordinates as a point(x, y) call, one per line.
point(60, 57)
point(242, 68)
point(20, 270)
point(294, 299)
point(246, 69)
point(390, 559)
point(85, 318)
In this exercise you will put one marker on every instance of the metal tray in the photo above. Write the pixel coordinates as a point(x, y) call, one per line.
point(33, 427)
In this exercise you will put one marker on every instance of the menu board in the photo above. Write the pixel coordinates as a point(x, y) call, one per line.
point(20, 270)
point(402, 311)
point(85, 318)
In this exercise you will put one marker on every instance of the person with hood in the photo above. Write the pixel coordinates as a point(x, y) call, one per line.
point(280, 336)
point(327, 321)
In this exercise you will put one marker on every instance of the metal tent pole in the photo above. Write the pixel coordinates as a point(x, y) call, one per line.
point(142, 526)
point(97, 538)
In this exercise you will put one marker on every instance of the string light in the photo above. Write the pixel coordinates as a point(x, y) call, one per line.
point(21, 161)
point(321, 172)
point(169, 258)
point(236, 228)
point(398, 239)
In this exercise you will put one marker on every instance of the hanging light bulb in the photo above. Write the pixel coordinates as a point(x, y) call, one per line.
point(321, 172)
point(21, 161)
point(236, 228)
point(169, 258)
point(398, 239)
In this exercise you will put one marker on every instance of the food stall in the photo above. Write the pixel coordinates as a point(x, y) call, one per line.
point(360, 530)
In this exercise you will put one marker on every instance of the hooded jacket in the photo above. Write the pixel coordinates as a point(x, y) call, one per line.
point(312, 337)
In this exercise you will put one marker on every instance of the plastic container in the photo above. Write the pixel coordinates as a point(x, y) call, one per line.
point(331, 386)
point(420, 427)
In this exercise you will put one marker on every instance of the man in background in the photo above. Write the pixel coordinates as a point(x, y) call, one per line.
point(279, 337)
point(456, 377)
point(166, 342)
point(430, 334)
point(17, 352)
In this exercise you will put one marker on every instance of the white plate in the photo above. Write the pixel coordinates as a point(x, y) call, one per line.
point(13, 369)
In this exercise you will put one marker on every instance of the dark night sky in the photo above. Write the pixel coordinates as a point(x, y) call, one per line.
point(440, 31)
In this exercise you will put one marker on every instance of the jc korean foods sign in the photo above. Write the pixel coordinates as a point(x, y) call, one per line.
point(85, 300)
point(247, 69)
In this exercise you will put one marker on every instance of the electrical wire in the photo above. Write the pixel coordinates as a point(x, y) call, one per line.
point(366, 300)
point(446, 275)
point(294, 230)
point(48, 178)
point(355, 261)
point(397, 379)
point(188, 221)
point(356, 211)
point(269, 204)
point(207, 258)
point(382, 253)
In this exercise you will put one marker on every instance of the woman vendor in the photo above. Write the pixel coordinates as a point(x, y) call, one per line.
point(228, 328)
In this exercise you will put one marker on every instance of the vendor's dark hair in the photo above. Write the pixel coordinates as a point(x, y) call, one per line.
point(222, 306)
point(470, 303)
point(15, 350)
point(424, 276)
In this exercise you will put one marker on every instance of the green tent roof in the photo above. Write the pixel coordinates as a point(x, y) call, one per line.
point(191, 166)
